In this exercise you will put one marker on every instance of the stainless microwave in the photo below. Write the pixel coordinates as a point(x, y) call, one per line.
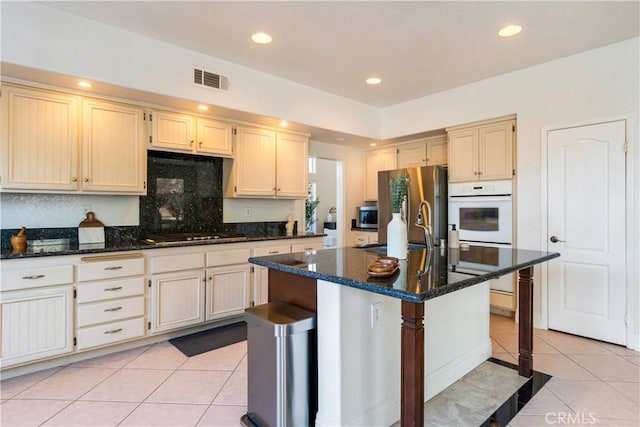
point(367, 217)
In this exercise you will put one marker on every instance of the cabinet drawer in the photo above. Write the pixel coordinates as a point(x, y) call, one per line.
point(165, 264)
point(301, 247)
point(112, 267)
point(36, 277)
point(108, 311)
point(235, 256)
point(360, 240)
point(109, 333)
point(272, 250)
point(99, 291)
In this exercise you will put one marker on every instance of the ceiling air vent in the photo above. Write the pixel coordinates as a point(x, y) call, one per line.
point(212, 80)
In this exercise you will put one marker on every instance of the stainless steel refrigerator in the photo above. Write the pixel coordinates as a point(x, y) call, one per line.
point(425, 183)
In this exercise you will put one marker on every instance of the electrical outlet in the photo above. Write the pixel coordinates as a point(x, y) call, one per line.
point(247, 211)
point(375, 313)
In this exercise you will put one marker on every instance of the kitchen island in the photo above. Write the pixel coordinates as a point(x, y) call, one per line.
point(334, 282)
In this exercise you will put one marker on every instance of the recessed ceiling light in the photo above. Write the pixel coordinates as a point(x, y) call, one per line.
point(84, 84)
point(202, 107)
point(510, 30)
point(261, 38)
point(284, 123)
point(374, 80)
point(373, 144)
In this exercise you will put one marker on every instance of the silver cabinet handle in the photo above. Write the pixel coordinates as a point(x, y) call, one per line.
point(273, 252)
point(117, 267)
point(554, 239)
point(34, 277)
point(113, 331)
point(117, 288)
point(106, 310)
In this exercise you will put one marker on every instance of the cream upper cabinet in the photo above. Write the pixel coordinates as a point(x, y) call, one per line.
point(437, 151)
point(267, 164)
point(172, 131)
point(44, 132)
point(481, 153)
point(412, 155)
point(40, 132)
point(375, 161)
point(291, 165)
point(255, 162)
point(114, 156)
point(214, 137)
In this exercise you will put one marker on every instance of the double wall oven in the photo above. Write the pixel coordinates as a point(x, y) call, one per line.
point(483, 214)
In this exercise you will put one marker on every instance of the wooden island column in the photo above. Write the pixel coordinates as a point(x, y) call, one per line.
point(412, 365)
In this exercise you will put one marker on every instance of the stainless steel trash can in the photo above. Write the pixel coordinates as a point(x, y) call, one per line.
point(281, 364)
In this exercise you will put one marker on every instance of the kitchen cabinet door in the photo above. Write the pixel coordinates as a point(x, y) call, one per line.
point(177, 300)
point(214, 138)
point(463, 155)
point(114, 156)
point(412, 155)
point(40, 131)
point(171, 131)
point(36, 324)
point(437, 151)
point(227, 291)
point(291, 165)
point(375, 161)
point(260, 293)
point(255, 162)
point(495, 145)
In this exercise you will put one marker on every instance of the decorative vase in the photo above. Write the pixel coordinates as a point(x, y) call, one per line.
point(397, 237)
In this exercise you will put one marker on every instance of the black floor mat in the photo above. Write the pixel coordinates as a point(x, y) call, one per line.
point(208, 340)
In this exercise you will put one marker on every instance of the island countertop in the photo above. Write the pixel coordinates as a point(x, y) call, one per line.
point(425, 274)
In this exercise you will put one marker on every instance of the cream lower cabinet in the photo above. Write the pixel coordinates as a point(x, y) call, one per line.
point(227, 292)
point(260, 292)
point(110, 302)
point(36, 307)
point(228, 283)
point(177, 291)
point(363, 238)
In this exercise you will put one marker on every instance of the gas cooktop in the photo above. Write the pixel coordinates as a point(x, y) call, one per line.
point(182, 238)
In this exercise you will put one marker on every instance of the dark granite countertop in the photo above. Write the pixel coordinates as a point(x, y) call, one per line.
point(441, 270)
point(133, 244)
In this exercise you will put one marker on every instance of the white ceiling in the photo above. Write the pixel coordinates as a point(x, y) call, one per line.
point(417, 48)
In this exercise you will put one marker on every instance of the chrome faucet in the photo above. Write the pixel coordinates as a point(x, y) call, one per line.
point(428, 234)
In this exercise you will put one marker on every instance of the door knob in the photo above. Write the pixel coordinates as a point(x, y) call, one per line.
point(554, 239)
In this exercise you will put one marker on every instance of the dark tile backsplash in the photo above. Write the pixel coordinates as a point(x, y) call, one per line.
point(184, 194)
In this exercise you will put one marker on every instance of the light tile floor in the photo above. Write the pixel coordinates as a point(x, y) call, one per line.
point(593, 383)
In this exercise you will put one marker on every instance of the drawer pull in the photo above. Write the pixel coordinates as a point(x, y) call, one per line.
point(117, 288)
point(273, 252)
point(117, 267)
point(34, 277)
point(106, 310)
point(113, 331)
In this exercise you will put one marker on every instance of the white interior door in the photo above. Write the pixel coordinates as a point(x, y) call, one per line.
point(586, 225)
